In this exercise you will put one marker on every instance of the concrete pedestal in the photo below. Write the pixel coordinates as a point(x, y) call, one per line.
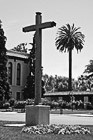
point(37, 114)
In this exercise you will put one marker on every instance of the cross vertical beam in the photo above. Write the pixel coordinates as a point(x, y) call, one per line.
point(38, 62)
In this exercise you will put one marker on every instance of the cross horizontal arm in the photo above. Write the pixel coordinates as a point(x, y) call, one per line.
point(47, 25)
point(29, 28)
point(39, 26)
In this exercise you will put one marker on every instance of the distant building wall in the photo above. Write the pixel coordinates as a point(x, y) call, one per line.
point(20, 71)
point(82, 95)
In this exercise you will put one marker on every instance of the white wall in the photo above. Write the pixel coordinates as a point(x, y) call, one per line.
point(24, 73)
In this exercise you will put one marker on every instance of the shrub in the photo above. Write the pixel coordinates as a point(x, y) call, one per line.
point(54, 104)
point(6, 105)
point(30, 102)
point(45, 101)
point(89, 105)
point(60, 103)
point(69, 105)
point(19, 105)
point(80, 105)
point(12, 101)
point(64, 104)
point(1, 104)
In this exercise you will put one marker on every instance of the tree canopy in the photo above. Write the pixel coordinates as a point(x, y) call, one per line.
point(4, 86)
point(29, 90)
point(21, 48)
point(89, 67)
point(69, 37)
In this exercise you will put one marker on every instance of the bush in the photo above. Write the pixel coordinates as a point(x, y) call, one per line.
point(1, 104)
point(30, 102)
point(6, 105)
point(80, 105)
point(69, 105)
point(89, 106)
point(19, 105)
point(54, 105)
point(64, 104)
point(45, 101)
point(12, 101)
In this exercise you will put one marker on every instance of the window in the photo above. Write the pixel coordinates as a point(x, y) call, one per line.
point(17, 95)
point(10, 73)
point(18, 73)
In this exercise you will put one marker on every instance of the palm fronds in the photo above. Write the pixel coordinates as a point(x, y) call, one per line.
point(68, 37)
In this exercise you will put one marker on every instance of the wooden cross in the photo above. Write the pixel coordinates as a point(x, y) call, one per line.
point(38, 39)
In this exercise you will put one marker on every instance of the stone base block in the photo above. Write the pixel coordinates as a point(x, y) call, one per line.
point(37, 114)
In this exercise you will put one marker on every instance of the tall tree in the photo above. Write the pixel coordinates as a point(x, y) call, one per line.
point(68, 38)
point(89, 67)
point(29, 90)
point(4, 86)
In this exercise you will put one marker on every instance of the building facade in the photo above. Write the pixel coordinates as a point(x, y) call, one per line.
point(18, 70)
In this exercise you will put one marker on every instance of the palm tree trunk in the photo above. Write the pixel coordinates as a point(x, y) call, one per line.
point(70, 71)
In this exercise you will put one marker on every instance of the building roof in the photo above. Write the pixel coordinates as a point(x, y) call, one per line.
point(47, 94)
point(17, 54)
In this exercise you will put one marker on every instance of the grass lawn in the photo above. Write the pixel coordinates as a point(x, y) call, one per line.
point(14, 133)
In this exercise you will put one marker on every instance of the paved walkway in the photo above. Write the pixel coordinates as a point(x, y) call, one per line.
point(72, 119)
point(69, 119)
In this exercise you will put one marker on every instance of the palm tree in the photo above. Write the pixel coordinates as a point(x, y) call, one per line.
point(68, 38)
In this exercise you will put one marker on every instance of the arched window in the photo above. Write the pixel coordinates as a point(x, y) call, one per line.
point(10, 73)
point(18, 73)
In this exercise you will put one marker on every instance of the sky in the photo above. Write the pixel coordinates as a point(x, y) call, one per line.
point(16, 14)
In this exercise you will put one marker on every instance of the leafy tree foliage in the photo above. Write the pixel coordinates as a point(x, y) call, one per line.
point(60, 83)
point(4, 86)
point(89, 67)
point(55, 84)
point(68, 38)
point(29, 90)
point(21, 48)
